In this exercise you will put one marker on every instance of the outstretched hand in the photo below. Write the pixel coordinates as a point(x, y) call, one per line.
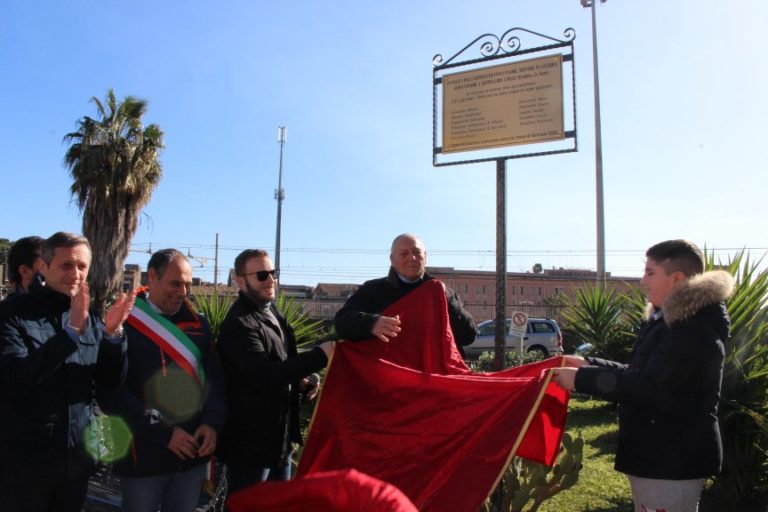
point(386, 327)
point(327, 348)
point(575, 361)
point(119, 311)
point(565, 378)
point(310, 390)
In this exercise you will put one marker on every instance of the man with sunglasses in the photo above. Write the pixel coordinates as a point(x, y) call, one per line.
point(265, 375)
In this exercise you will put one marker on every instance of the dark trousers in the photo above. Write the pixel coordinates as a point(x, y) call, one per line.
point(43, 496)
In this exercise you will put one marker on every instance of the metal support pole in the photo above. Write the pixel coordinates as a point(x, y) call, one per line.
point(216, 266)
point(501, 264)
point(598, 153)
point(279, 195)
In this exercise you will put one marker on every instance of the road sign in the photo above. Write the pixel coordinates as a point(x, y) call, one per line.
point(519, 324)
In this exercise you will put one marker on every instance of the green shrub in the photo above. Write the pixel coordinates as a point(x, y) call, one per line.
point(306, 329)
point(605, 318)
point(744, 397)
point(214, 308)
point(486, 360)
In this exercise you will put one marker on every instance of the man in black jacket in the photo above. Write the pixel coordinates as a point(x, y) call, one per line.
point(265, 377)
point(52, 355)
point(361, 317)
point(24, 262)
point(669, 437)
point(173, 396)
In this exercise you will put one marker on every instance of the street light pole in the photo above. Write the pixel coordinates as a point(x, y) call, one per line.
point(282, 132)
point(598, 152)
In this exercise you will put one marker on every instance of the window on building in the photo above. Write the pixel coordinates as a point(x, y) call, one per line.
point(539, 291)
point(522, 291)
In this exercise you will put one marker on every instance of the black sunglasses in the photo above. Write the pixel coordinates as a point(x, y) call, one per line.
point(262, 275)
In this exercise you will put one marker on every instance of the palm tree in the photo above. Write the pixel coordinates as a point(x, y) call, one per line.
point(114, 165)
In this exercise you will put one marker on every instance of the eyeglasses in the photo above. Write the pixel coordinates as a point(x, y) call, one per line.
point(262, 275)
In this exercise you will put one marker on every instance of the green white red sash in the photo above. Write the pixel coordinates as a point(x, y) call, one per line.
point(168, 337)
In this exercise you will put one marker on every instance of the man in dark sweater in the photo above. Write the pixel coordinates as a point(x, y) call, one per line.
point(361, 317)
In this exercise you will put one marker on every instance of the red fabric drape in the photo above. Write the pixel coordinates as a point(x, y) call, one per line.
point(332, 491)
point(409, 412)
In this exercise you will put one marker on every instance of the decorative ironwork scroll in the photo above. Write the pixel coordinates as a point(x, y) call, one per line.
point(508, 44)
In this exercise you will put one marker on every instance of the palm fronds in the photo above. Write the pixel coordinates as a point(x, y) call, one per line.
point(214, 308)
point(744, 395)
point(305, 328)
point(605, 318)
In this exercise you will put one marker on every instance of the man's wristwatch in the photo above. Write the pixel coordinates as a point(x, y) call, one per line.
point(117, 334)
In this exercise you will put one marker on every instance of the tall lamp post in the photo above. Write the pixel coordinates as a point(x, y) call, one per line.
point(279, 193)
point(598, 152)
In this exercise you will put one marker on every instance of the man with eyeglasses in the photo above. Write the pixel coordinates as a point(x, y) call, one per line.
point(265, 375)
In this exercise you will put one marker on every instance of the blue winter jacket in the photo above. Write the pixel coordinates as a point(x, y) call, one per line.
point(47, 384)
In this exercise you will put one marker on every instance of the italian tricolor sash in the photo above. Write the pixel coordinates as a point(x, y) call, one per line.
point(168, 337)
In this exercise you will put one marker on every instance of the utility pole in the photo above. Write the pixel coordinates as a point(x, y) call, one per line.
point(598, 152)
point(282, 132)
point(216, 266)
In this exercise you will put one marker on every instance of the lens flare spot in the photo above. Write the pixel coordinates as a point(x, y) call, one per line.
point(175, 395)
point(108, 438)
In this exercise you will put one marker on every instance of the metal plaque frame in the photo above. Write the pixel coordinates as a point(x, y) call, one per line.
point(494, 50)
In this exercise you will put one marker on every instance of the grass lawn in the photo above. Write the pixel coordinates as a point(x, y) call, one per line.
point(600, 487)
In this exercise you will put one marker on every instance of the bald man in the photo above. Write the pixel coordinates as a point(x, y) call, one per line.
point(361, 317)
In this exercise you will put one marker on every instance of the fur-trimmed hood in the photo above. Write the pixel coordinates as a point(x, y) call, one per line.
point(696, 293)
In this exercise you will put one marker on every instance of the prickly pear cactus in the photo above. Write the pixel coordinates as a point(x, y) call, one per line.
point(526, 485)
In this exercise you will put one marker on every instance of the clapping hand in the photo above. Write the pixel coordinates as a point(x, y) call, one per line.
point(118, 312)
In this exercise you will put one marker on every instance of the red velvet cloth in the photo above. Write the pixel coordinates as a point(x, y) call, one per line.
point(409, 412)
point(331, 491)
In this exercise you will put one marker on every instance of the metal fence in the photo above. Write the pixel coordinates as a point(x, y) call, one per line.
point(326, 309)
point(482, 312)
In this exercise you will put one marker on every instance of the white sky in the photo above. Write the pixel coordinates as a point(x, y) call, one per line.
point(683, 95)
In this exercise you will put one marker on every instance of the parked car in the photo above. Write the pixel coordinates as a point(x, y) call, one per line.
point(543, 336)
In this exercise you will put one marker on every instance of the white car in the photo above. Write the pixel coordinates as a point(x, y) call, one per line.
point(543, 336)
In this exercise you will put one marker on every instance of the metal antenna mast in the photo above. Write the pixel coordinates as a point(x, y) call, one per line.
point(282, 132)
